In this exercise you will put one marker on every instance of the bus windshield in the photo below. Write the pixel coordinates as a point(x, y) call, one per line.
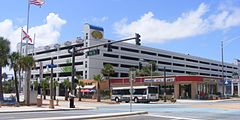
point(152, 90)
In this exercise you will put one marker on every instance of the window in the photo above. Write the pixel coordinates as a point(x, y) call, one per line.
point(178, 58)
point(169, 89)
point(176, 64)
point(165, 63)
point(178, 71)
point(205, 74)
point(166, 56)
point(86, 35)
point(128, 66)
point(129, 58)
point(129, 50)
point(214, 64)
point(229, 67)
point(190, 66)
point(148, 53)
point(113, 64)
point(203, 68)
point(123, 74)
point(140, 92)
point(114, 47)
point(191, 60)
point(207, 63)
point(46, 51)
point(110, 55)
point(214, 70)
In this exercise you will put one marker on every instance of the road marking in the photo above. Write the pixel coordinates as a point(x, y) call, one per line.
point(172, 117)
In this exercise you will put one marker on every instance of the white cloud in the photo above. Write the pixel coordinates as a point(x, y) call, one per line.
point(100, 20)
point(47, 33)
point(189, 24)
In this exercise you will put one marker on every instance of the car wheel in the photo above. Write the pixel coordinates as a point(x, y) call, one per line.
point(117, 99)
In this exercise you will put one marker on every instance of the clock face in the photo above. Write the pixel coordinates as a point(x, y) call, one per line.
point(97, 34)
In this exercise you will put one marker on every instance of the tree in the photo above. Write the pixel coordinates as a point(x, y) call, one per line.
point(66, 84)
point(146, 70)
point(80, 84)
point(4, 53)
point(45, 86)
point(107, 71)
point(98, 78)
point(15, 63)
point(26, 63)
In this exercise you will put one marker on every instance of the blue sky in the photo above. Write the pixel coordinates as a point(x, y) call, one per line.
point(190, 27)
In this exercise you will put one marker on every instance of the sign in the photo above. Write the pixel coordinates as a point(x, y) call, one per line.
point(131, 90)
point(97, 35)
point(159, 80)
point(93, 52)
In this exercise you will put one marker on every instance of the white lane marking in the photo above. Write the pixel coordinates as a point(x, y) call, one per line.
point(172, 117)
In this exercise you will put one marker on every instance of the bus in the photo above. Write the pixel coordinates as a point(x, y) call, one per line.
point(144, 94)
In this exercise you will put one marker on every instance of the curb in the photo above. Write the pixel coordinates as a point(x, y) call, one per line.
point(108, 115)
point(47, 110)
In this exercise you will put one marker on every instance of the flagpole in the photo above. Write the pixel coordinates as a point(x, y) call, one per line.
point(28, 12)
point(21, 43)
point(34, 44)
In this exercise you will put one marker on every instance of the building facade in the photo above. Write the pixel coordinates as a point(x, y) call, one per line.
point(123, 56)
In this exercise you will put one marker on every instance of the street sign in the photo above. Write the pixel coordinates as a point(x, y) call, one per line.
point(131, 91)
point(93, 52)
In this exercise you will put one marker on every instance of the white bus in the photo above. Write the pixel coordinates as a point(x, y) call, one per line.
point(140, 94)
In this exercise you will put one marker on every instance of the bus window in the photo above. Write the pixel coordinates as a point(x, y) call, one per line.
point(152, 90)
point(140, 92)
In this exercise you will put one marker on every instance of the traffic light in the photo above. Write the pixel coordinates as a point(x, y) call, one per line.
point(108, 46)
point(138, 40)
point(140, 65)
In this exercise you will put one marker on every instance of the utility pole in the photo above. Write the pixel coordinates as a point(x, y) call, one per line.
point(222, 70)
point(165, 97)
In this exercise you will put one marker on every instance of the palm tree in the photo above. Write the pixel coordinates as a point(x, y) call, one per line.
point(26, 63)
point(98, 78)
point(107, 71)
point(66, 84)
point(4, 53)
point(15, 59)
point(45, 86)
point(80, 84)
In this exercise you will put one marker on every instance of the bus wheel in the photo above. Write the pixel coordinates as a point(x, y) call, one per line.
point(135, 100)
point(117, 100)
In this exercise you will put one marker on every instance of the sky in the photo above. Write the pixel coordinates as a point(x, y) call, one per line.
point(194, 27)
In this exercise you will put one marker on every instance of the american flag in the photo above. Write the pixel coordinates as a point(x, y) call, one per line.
point(36, 2)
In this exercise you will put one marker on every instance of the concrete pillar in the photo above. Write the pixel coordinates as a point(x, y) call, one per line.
point(57, 91)
point(239, 88)
point(193, 90)
point(176, 90)
point(232, 88)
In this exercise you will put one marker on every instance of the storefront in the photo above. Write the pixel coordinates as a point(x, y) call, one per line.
point(182, 87)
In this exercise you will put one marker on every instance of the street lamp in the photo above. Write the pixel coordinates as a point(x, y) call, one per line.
point(229, 40)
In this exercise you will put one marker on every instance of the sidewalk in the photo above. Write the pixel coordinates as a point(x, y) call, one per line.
point(205, 101)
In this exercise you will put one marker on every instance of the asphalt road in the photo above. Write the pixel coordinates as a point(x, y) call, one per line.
point(156, 111)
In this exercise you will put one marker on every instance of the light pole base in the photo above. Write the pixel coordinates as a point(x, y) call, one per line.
point(51, 104)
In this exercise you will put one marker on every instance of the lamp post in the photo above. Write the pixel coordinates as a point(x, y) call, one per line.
point(222, 70)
